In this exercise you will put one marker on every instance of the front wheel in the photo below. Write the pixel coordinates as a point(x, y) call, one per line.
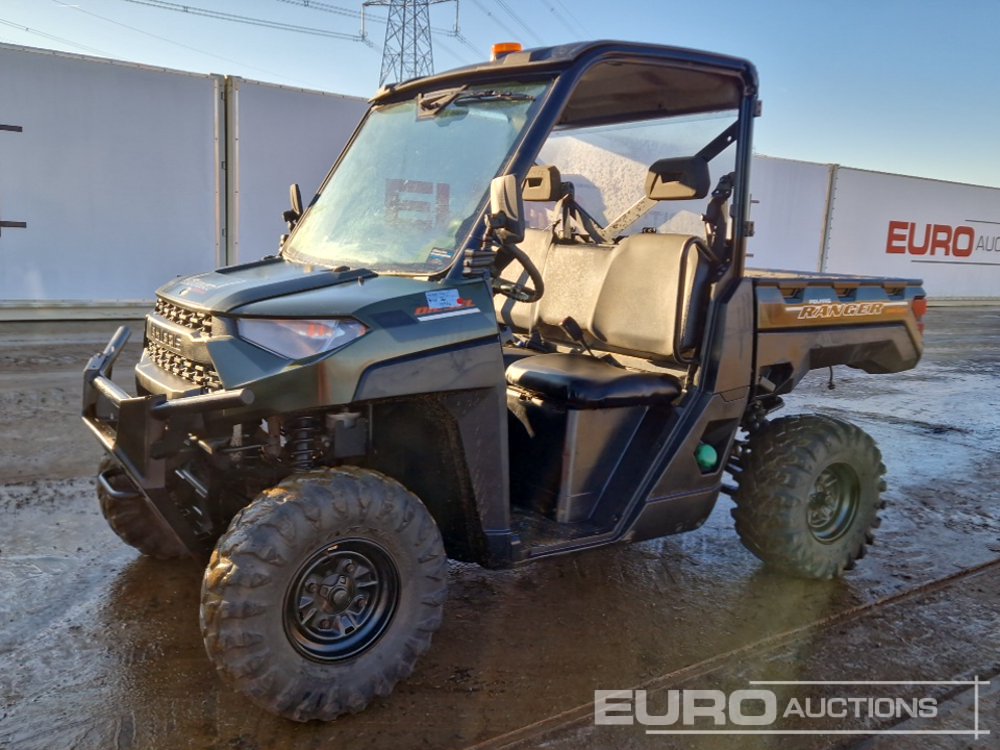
point(130, 516)
point(809, 494)
point(324, 592)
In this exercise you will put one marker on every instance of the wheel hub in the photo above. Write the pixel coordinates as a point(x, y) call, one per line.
point(833, 503)
point(341, 600)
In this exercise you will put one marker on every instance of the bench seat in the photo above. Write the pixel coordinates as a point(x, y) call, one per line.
point(583, 382)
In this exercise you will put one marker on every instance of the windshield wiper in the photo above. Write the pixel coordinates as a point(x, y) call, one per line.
point(432, 103)
point(436, 102)
point(492, 96)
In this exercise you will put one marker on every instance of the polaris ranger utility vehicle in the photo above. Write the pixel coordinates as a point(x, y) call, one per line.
point(432, 368)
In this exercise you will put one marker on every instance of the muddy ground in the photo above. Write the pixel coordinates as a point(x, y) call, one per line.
point(99, 647)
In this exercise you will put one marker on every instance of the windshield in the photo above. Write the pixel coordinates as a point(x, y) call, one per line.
point(405, 193)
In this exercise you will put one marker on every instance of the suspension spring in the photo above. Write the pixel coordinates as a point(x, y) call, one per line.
point(304, 442)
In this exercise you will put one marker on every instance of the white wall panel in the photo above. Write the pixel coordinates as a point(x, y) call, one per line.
point(789, 203)
point(945, 233)
point(115, 172)
point(278, 136)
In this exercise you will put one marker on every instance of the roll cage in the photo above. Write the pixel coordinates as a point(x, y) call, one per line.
point(585, 91)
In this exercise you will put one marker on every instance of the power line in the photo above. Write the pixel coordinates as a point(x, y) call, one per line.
point(168, 41)
point(325, 7)
point(249, 20)
point(465, 40)
point(497, 21)
point(518, 21)
point(442, 46)
point(54, 38)
point(569, 14)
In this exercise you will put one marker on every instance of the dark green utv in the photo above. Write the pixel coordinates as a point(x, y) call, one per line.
point(515, 322)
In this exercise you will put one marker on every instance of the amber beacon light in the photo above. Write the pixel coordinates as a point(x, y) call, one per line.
point(503, 48)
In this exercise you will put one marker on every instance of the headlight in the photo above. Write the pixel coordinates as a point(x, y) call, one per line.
point(298, 339)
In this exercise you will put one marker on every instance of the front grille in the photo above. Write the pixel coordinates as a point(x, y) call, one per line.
point(193, 320)
point(203, 376)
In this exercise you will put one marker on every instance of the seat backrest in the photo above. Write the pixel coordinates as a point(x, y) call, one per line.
point(654, 297)
point(520, 316)
point(645, 296)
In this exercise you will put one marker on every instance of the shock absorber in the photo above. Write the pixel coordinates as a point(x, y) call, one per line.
point(304, 441)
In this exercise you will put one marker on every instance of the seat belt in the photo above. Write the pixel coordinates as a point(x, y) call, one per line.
point(715, 218)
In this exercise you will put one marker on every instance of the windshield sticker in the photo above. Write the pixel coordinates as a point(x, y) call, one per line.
point(443, 299)
point(444, 303)
point(418, 202)
point(439, 257)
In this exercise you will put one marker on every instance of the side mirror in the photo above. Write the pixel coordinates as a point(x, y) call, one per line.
point(293, 215)
point(678, 179)
point(506, 214)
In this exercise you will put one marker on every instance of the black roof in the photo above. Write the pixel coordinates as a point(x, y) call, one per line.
point(565, 56)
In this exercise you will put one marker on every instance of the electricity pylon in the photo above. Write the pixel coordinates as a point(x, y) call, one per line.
point(407, 52)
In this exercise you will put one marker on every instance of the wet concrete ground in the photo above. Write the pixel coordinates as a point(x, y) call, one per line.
point(99, 648)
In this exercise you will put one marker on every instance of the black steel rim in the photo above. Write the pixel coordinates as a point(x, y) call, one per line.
point(834, 502)
point(341, 600)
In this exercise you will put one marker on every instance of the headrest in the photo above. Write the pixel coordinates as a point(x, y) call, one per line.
point(542, 184)
point(678, 179)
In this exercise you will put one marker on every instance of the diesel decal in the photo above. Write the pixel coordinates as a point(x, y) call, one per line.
point(423, 314)
point(840, 310)
point(909, 238)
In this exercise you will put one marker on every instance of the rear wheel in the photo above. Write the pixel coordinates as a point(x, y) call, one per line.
point(129, 515)
point(809, 494)
point(324, 592)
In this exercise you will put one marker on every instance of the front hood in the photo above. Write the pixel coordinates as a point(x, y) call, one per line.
point(405, 318)
point(235, 286)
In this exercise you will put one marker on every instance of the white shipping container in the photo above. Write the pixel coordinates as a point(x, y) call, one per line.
point(277, 136)
point(116, 177)
point(788, 208)
point(115, 170)
point(946, 233)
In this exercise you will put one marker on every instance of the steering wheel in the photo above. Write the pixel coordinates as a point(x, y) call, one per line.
point(517, 291)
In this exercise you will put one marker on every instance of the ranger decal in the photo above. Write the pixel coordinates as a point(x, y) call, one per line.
point(840, 310)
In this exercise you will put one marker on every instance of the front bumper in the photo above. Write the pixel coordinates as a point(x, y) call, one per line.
point(142, 432)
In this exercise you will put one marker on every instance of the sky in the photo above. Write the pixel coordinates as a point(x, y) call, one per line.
point(906, 86)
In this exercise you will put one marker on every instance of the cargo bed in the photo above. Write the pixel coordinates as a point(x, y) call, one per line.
point(807, 320)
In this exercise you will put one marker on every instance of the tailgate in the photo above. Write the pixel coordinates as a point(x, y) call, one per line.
point(811, 320)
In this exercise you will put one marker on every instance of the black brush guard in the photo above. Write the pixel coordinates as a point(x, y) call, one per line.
point(140, 432)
